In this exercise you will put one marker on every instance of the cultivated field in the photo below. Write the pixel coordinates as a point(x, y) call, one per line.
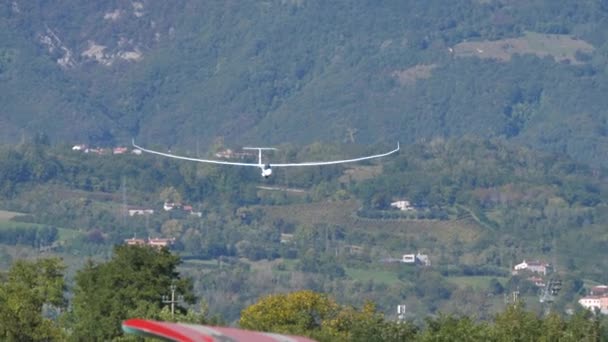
point(343, 213)
point(7, 215)
point(559, 46)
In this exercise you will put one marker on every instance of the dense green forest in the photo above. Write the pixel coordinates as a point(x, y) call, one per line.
point(188, 73)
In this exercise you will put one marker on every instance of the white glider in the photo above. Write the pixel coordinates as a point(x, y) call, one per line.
point(266, 168)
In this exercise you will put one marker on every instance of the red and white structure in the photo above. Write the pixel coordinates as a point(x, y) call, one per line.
point(183, 332)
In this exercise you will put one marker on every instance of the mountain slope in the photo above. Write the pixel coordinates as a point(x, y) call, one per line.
point(302, 71)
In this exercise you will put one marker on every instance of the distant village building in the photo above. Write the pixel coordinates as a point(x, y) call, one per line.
point(599, 290)
point(408, 259)
point(140, 211)
point(120, 150)
point(135, 242)
point(532, 266)
point(230, 154)
point(353, 249)
point(403, 205)
point(595, 302)
point(160, 242)
point(168, 206)
point(152, 242)
point(286, 238)
point(419, 259)
point(80, 147)
point(95, 150)
point(227, 154)
point(538, 281)
point(136, 151)
point(423, 259)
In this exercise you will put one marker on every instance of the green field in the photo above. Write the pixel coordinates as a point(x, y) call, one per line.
point(207, 264)
point(343, 213)
point(378, 276)
point(478, 282)
point(5, 222)
point(562, 47)
point(7, 215)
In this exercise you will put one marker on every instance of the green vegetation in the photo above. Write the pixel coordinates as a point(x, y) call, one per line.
point(500, 108)
point(130, 285)
point(315, 315)
point(366, 275)
point(29, 289)
point(280, 72)
point(480, 206)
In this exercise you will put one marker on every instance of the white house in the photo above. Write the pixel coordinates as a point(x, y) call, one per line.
point(595, 302)
point(403, 205)
point(170, 206)
point(408, 259)
point(152, 242)
point(421, 259)
point(140, 211)
point(160, 242)
point(532, 266)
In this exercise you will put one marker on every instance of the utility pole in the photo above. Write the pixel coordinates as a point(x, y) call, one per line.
point(401, 313)
point(515, 296)
point(172, 301)
point(123, 185)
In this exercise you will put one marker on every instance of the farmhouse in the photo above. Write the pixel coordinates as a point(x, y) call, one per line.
point(533, 266)
point(152, 242)
point(403, 205)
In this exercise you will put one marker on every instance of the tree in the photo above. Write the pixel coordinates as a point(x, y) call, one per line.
point(320, 317)
point(300, 312)
point(30, 288)
point(172, 228)
point(131, 284)
point(170, 195)
point(450, 328)
point(516, 324)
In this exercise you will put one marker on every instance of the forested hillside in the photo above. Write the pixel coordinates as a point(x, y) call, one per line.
point(186, 73)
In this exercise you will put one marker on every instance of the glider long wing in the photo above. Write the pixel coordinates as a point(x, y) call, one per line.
point(221, 162)
point(338, 161)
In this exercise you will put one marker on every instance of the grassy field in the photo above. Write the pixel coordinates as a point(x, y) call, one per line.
point(343, 213)
point(8, 215)
point(477, 282)
point(378, 276)
point(206, 264)
point(10, 224)
point(5, 222)
point(66, 234)
point(559, 46)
